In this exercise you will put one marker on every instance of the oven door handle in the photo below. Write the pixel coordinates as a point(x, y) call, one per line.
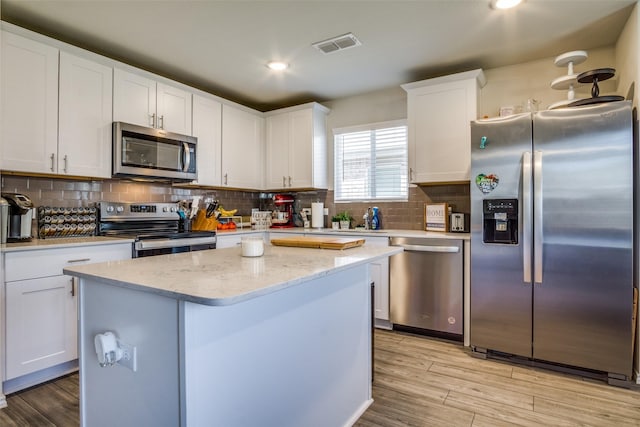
point(428, 248)
point(172, 243)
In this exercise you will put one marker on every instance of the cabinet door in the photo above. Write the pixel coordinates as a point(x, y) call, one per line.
point(41, 324)
point(207, 127)
point(241, 148)
point(439, 131)
point(173, 109)
point(278, 174)
point(29, 75)
point(134, 99)
point(301, 143)
point(379, 272)
point(84, 137)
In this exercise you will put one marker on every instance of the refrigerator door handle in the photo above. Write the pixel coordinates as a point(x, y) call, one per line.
point(526, 216)
point(537, 216)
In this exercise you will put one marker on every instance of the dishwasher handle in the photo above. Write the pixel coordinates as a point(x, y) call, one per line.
point(430, 248)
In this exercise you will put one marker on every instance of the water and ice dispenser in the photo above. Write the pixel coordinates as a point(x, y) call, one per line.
point(500, 221)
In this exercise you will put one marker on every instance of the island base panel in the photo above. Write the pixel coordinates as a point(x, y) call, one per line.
point(297, 357)
point(117, 396)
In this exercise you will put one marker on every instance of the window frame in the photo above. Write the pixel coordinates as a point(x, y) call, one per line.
point(369, 127)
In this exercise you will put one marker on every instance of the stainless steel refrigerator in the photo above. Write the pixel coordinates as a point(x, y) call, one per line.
point(552, 223)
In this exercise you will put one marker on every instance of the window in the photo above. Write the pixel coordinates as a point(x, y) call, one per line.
point(370, 162)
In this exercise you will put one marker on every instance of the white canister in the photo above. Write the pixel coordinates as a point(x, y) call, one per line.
point(252, 246)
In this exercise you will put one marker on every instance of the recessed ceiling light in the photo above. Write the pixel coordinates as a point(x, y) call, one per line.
point(504, 4)
point(277, 66)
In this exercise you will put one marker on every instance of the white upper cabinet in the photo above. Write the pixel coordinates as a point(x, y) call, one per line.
point(242, 148)
point(29, 75)
point(173, 106)
point(207, 127)
point(85, 122)
point(439, 114)
point(296, 148)
point(142, 101)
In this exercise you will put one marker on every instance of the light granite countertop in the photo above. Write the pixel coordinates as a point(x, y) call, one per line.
point(223, 276)
point(357, 232)
point(37, 244)
point(62, 242)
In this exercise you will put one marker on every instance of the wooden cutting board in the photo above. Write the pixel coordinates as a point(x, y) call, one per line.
point(318, 242)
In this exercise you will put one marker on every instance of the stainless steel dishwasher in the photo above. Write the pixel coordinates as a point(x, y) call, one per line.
point(426, 282)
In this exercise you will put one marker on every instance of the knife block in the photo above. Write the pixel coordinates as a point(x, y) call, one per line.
point(202, 223)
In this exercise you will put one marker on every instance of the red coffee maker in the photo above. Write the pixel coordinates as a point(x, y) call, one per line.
point(282, 216)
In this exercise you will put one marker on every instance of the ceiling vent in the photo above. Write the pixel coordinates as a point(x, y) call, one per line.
point(335, 44)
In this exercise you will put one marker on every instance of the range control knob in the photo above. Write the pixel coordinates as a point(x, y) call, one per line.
point(173, 208)
point(119, 209)
point(110, 209)
point(165, 209)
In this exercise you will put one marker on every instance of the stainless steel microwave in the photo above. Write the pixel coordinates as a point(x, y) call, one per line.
point(153, 154)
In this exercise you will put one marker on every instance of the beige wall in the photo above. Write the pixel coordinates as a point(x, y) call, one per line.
point(626, 53)
point(513, 85)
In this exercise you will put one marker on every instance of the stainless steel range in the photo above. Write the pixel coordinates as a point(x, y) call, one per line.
point(156, 228)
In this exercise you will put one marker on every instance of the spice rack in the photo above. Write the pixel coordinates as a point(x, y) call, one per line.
point(66, 222)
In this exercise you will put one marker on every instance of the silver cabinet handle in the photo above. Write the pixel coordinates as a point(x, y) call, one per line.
point(289, 181)
point(71, 261)
point(161, 122)
point(526, 216)
point(153, 120)
point(284, 181)
point(225, 179)
point(73, 286)
point(428, 248)
point(537, 217)
point(186, 157)
point(410, 174)
point(53, 165)
point(66, 162)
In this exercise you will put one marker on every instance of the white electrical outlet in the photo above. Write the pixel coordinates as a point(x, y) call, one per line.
point(129, 356)
point(307, 211)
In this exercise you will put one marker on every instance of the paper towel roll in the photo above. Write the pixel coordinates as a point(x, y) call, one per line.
point(317, 215)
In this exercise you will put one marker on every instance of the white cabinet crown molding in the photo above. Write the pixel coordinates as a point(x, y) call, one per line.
point(477, 74)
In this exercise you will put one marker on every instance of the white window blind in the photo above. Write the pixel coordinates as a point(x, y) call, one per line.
point(371, 162)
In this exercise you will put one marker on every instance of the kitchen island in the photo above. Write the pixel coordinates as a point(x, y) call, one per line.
point(222, 340)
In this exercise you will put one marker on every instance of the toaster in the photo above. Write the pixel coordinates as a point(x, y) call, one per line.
point(459, 223)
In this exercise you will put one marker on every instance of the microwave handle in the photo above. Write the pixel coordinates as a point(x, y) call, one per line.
point(186, 157)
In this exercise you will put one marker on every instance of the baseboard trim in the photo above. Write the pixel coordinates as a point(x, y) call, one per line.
point(35, 378)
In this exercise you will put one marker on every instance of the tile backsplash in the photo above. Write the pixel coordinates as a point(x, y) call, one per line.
point(72, 193)
point(45, 191)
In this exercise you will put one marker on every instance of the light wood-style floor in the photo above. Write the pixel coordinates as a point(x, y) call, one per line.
point(418, 382)
point(427, 382)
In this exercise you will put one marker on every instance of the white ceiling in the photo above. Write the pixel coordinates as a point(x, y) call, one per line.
point(222, 46)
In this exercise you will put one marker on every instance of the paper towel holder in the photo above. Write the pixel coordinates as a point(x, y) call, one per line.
point(317, 215)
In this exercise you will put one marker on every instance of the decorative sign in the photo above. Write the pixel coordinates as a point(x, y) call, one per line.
point(436, 216)
point(487, 183)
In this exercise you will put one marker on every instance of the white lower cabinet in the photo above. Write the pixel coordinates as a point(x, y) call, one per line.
point(41, 309)
point(41, 324)
point(379, 273)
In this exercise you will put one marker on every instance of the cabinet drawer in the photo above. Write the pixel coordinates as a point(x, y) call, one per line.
point(50, 262)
